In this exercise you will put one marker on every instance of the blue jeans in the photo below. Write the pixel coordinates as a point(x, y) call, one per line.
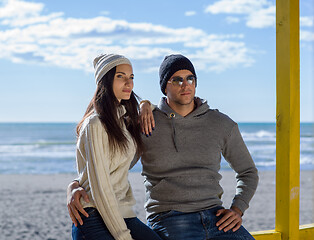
point(94, 228)
point(174, 225)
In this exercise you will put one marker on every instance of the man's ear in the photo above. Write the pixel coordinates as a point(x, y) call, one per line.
point(166, 91)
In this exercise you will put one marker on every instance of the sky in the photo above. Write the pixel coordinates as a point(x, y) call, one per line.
point(47, 49)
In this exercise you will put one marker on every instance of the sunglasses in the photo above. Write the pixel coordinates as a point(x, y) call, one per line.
point(178, 81)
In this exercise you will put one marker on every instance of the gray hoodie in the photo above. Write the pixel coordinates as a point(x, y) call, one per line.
point(182, 158)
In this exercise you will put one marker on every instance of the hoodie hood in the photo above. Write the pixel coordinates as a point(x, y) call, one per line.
point(201, 108)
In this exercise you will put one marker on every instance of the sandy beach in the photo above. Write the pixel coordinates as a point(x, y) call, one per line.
point(34, 206)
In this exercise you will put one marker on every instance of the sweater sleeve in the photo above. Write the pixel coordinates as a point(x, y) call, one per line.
point(97, 164)
point(239, 158)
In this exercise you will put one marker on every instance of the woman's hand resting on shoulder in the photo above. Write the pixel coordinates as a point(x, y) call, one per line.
point(146, 118)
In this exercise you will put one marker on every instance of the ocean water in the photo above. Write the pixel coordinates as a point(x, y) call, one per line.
point(43, 148)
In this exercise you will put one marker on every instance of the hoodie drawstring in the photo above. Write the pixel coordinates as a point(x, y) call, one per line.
point(172, 115)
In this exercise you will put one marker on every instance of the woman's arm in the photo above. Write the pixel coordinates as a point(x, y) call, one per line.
point(97, 166)
point(74, 193)
point(146, 117)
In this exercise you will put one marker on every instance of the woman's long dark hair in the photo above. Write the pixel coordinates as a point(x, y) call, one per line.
point(106, 105)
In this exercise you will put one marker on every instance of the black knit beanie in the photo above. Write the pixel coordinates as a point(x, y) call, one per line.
point(170, 65)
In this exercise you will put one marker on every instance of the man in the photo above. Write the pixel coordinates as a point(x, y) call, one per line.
point(181, 163)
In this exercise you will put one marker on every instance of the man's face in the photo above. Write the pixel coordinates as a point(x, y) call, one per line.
point(181, 94)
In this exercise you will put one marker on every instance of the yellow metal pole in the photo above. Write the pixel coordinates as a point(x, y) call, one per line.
point(307, 232)
point(287, 119)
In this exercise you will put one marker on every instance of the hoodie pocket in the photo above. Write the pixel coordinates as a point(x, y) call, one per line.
point(184, 189)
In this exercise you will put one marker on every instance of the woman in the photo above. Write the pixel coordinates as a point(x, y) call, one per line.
point(108, 138)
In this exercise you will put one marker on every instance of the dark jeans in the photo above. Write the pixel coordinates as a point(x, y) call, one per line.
point(94, 228)
point(174, 225)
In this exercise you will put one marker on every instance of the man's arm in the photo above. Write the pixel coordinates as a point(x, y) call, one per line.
point(237, 154)
point(74, 193)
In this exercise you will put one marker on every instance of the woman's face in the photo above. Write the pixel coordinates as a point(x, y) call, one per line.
point(123, 82)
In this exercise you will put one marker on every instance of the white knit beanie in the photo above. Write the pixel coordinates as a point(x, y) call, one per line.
point(105, 62)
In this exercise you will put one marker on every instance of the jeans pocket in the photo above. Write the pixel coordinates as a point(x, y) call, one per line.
point(91, 211)
point(93, 226)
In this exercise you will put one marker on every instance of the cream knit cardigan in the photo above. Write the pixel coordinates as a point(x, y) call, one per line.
point(104, 176)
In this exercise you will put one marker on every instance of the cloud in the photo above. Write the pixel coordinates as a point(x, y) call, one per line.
point(237, 6)
point(16, 8)
point(223, 54)
point(306, 36)
point(105, 13)
point(231, 20)
point(20, 13)
point(189, 13)
point(262, 18)
point(306, 21)
point(29, 36)
point(259, 13)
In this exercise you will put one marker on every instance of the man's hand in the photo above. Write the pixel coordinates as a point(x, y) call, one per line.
point(74, 193)
point(146, 118)
point(231, 219)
